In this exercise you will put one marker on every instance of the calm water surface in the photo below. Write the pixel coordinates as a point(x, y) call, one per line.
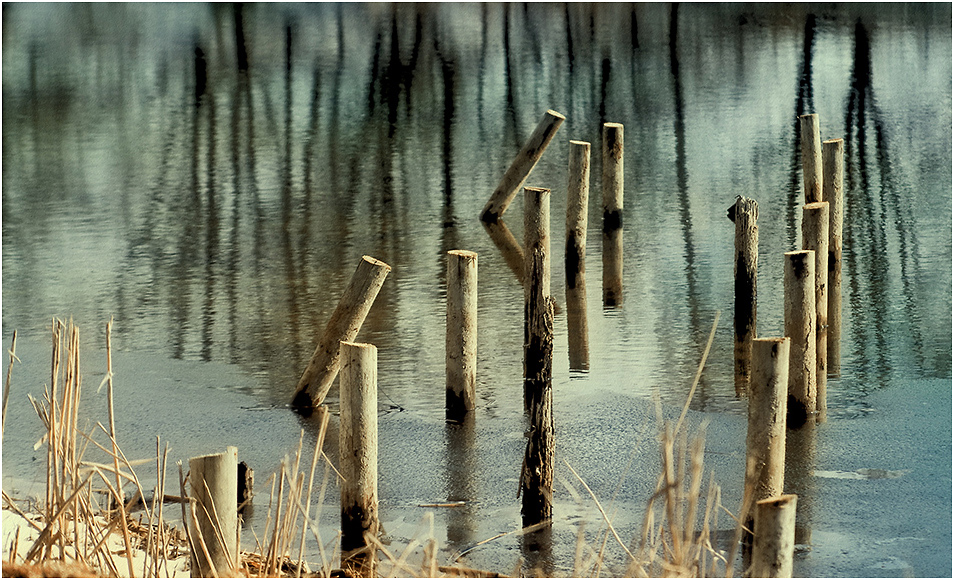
point(216, 201)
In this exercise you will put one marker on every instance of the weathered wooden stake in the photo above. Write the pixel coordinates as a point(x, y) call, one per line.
point(358, 445)
point(536, 478)
point(522, 165)
point(214, 488)
point(612, 214)
point(811, 157)
point(800, 327)
point(577, 200)
point(833, 191)
point(774, 548)
point(461, 350)
point(344, 325)
point(765, 440)
point(745, 213)
point(815, 237)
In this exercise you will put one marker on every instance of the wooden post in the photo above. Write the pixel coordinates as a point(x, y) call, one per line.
point(508, 245)
point(461, 353)
point(522, 165)
point(358, 454)
point(344, 325)
point(815, 237)
point(536, 478)
point(765, 440)
point(612, 214)
point(800, 327)
point(833, 191)
point(214, 483)
point(577, 200)
point(774, 548)
point(745, 214)
point(811, 157)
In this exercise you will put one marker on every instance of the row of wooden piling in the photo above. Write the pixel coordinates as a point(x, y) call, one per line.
point(785, 378)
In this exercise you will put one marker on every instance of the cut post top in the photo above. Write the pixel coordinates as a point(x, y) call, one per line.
point(778, 499)
point(613, 125)
point(833, 141)
point(536, 189)
point(357, 344)
point(553, 113)
point(815, 205)
point(466, 254)
point(579, 143)
point(376, 262)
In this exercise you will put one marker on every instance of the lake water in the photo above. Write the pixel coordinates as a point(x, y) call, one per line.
point(219, 227)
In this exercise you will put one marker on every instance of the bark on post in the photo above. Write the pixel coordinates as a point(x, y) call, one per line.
point(358, 445)
point(811, 157)
point(536, 478)
point(612, 214)
point(522, 165)
point(815, 237)
point(745, 214)
point(461, 349)
point(345, 322)
point(214, 487)
point(833, 191)
point(774, 548)
point(800, 327)
point(577, 200)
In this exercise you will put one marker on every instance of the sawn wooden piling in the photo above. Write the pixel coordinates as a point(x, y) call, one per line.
point(214, 521)
point(744, 213)
point(461, 334)
point(577, 200)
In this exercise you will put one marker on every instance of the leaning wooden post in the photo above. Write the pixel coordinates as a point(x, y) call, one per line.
point(800, 327)
point(815, 237)
point(345, 322)
point(358, 454)
point(612, 214)
point(765, 440)
point(811, 157)
point(461, 349)
point(522, 165)
point(214, 488)
point(536, 478)
point(833, 191)
point(745, 214)
point(774, 548)
point(577, 200)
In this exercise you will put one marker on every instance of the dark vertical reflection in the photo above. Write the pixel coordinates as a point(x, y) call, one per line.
point(449, 235)
point(291, 274)
point(513, 128)
point(864, 228)
point(241, 53)
point(800, 453)
point(804, 104)
point(537, 549)
point(211, 239)
point(682, 182)
point(460, 461)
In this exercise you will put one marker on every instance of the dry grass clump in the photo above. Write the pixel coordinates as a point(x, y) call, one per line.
point(85, 528)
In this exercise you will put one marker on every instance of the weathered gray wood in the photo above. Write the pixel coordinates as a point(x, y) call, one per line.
point(577, 200)
point(811, 157)
point(833, 191)
point(521, 167)
point(815, 237)
point(536, 478)
point(745, 214)
point(461, 334)
point(800, 321)
point(358, 454)
point(768, 398)
point(214, 487)
point(612, 214)
point(774, 548)
point(345, 322)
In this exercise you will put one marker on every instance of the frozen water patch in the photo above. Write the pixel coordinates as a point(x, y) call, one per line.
point(863, 473)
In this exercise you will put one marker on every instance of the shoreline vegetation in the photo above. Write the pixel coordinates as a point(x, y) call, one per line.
point(99, 519)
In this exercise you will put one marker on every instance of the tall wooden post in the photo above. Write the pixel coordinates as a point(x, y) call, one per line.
point(461, 349)
point(612, 214)
point(358, 445)
point(345, 322)
point(214, 488)
point(800, 324)
point(833, 162)
point(522, 165)
point(536, 478)
point(815, 237)
point(774, 549)
point(577, 200)
point(811, 157)
point(745, 214)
